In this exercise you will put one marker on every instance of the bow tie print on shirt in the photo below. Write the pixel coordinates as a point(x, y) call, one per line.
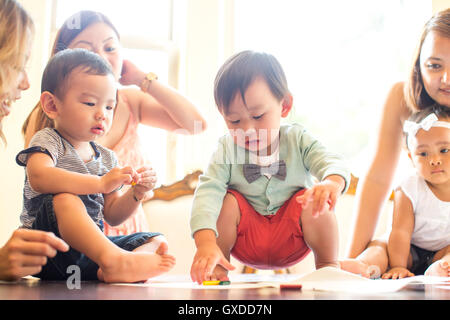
point(253, 171)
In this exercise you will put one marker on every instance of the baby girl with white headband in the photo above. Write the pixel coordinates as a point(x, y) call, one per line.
point(419, 242)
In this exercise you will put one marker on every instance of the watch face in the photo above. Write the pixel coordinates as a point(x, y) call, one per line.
point(151, 76)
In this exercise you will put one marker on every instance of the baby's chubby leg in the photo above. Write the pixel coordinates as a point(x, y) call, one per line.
point(321, 235)
point(441, 264)
point(115, 264)
point(371, 263)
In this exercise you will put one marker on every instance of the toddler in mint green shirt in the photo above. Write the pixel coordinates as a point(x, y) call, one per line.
point(258, 199)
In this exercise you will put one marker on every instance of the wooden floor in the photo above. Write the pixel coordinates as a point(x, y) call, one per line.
point(33, 299)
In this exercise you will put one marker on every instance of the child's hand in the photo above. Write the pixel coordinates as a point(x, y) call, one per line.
point(116, 178)
point(207, 257)
point(145, 181)
point(321, 194)
point(131, 74)
point(397, 273)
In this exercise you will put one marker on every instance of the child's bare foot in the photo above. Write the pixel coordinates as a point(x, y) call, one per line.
point(440, 268)
point(135, 266)
point(360, 267)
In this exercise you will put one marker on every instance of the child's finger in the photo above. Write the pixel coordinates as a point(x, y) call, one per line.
point(128, 170)
point(316, 202)
point(128, 174)
point(198, 269)
point(145, 169)
point(126, 179)
point(208, 270)
point(322, 201)
point(333, 200)
point(305, 198)
point(226, 264)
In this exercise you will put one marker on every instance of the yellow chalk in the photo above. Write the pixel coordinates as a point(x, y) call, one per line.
point(211, 283)
point(133, 183)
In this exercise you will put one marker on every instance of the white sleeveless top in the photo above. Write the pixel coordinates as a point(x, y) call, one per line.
point(432, 216)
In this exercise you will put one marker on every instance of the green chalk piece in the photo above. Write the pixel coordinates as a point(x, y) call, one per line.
point(224, 283)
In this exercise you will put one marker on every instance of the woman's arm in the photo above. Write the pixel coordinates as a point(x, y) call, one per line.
point(120, 206)
point(161, 106)
point(374, 188)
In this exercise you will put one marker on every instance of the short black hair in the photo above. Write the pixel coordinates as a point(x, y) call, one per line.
point(238, 72)
point(63, 63)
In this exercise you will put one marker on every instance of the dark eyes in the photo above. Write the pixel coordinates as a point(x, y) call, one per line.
point(433, 66)
point(255, 117)
point(92, 104)
point(425, 154)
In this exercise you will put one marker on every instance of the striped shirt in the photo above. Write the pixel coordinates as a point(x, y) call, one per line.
point(64, 156)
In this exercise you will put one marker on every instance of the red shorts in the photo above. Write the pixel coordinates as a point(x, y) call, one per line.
point(269, 242)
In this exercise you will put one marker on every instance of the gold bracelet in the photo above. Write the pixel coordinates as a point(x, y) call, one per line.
point(149, 77)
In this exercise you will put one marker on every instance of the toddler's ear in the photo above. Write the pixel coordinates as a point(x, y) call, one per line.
point(48, 105)
point(286, 105)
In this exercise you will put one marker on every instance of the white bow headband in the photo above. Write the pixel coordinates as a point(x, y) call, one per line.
point(426, 124)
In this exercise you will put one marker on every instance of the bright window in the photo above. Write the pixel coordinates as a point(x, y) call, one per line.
point(149, 18)
point(340, 58)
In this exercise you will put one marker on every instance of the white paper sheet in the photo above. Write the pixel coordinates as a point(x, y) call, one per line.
point(325, 279)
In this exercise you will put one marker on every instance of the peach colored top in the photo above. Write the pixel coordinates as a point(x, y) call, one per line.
point(128, 151)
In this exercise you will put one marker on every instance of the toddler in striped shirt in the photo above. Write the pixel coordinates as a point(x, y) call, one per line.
point(72, 183)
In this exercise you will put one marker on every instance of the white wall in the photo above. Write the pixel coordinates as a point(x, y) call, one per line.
point(439, 5)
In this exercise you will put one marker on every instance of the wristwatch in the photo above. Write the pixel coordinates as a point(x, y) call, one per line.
point(149, 77)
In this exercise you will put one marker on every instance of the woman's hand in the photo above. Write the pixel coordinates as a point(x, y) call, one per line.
point(131, 74)
point(27, 251)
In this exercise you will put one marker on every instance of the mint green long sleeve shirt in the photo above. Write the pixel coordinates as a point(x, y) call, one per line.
point(305, 158)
